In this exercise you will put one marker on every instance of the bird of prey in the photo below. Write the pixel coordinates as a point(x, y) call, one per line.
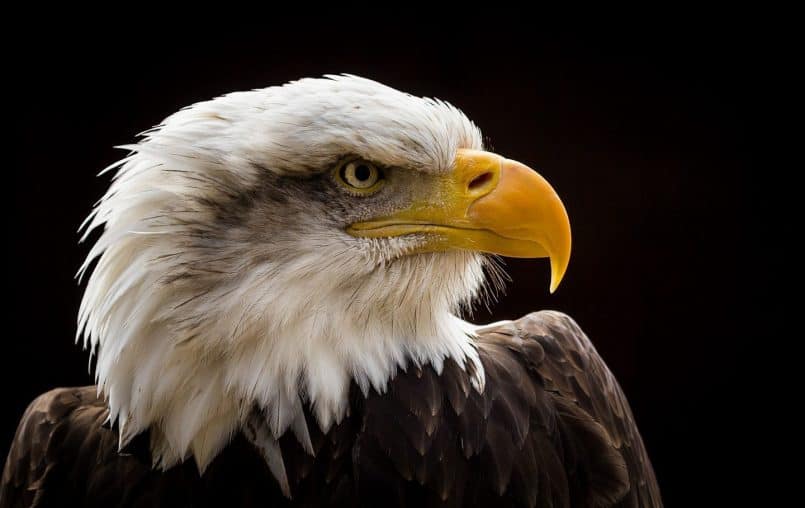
point(273, 307)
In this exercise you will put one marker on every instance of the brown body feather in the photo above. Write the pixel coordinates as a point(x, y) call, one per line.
point(552, 428)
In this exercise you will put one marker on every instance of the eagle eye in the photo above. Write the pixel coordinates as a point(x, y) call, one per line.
point(358, 176)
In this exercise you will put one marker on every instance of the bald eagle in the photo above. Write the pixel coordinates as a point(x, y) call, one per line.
point(273, 310)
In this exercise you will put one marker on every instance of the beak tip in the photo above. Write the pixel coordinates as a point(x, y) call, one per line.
point(558, 270)
point(554, 284)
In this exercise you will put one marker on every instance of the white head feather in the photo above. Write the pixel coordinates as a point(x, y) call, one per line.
point(197, 317)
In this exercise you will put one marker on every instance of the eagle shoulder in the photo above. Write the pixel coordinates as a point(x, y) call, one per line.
point(550, 427)
point(601, 444)
point(39, 460)
point(66, 452)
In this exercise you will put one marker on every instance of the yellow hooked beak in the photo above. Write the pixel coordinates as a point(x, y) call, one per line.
point(487, 204)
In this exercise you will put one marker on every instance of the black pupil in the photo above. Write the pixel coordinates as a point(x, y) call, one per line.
point(362, 173)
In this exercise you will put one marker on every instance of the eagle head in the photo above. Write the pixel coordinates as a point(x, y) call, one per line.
point(266, 249)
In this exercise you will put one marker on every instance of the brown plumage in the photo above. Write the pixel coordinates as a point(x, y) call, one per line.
point(551, 428)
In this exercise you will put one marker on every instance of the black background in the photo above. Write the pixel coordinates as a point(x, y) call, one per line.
point(645, 135)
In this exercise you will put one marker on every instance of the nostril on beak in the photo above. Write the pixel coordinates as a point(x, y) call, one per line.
point(481, 181)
